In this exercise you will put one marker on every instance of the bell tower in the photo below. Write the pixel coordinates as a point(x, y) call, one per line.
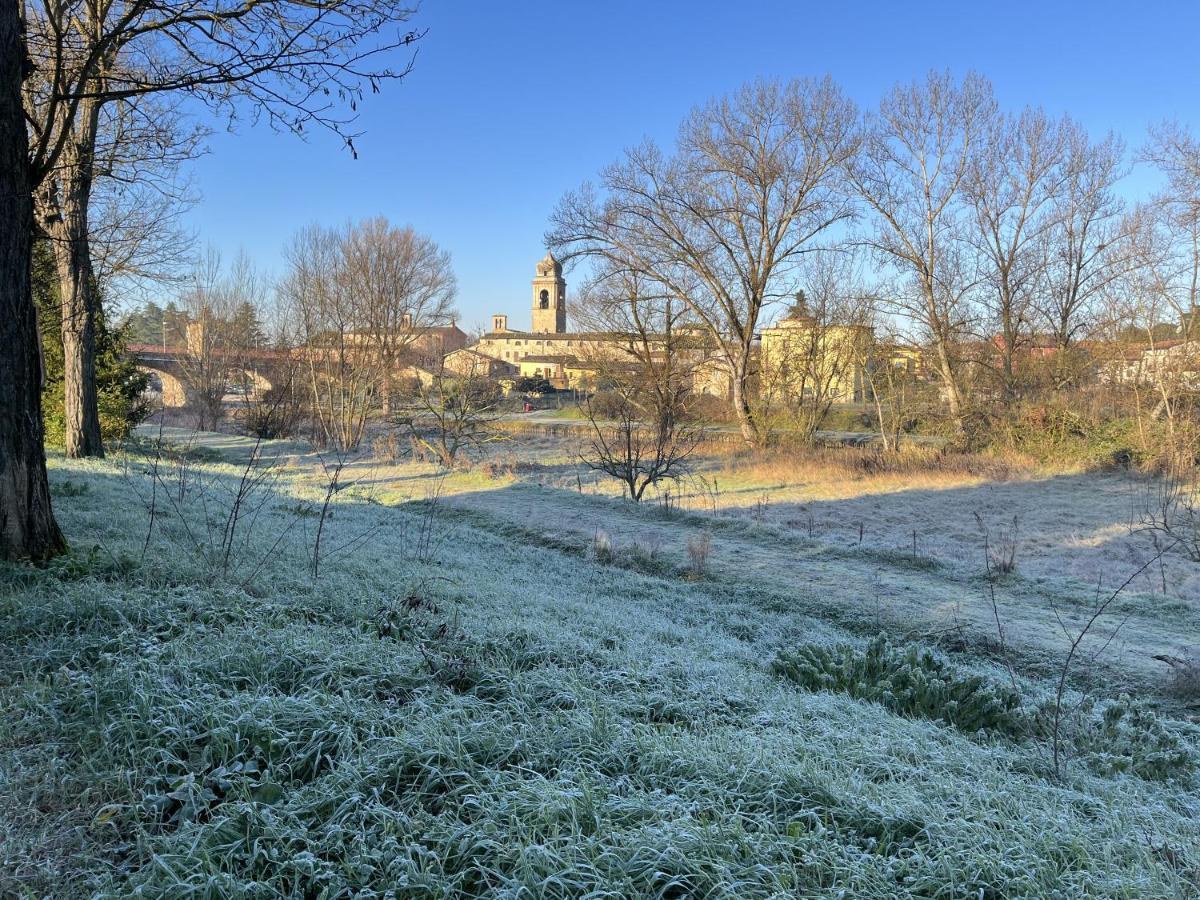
point(549, 297)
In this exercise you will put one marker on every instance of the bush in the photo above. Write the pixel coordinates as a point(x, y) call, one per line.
point(276, 414)
point(607, 405)
point(699, 546)
point(533, 384)
point(849, 418)
point(1054, 435)
point(910, 682)
point(1127, 736)
point(1120, 736)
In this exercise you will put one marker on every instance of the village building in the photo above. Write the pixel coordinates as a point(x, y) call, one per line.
point(468, 361)
point(422, 346)
point(800, 354)
point(564, 358)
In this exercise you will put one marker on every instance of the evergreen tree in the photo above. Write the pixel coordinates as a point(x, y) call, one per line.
point(144, 325)
point(246, 329)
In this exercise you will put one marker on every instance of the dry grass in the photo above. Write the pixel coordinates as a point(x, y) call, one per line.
point(699, 547)
point(857, 463)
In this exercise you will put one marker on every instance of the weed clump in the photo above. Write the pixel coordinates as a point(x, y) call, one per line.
point(1119, 737)
point(699, 548)
point(911, 682)
point(1126, 736)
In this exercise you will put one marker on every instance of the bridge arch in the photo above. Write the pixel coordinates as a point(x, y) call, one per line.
point(170, 387)
point(250, 379)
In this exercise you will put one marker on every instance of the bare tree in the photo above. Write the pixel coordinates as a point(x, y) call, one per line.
point(28, 529)
point(917, 154)
point(1173, 278)
point(405, 285)
point(1087, 247)
point(218, 351)
point(641, 435)
point(362, 296)
point(453, 412)
point(295, 63)
point(892, 387)
point(1176, 269)
point(1157, 334)
point(340, 376)
point(137, 240)
point(754, 182)
point(1014, 179)
point(123, 230)
point(818, 353)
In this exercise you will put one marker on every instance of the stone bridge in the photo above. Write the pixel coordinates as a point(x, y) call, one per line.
point(168, 366)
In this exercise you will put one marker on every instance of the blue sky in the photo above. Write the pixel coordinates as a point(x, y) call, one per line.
point(512, 104)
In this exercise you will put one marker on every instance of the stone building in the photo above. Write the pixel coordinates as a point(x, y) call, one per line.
point(801, 354)
point(468, 361)
point(549, 297)
point(567, 359)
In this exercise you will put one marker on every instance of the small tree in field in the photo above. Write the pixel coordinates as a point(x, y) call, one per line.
point(453, 412)
point(642, 437)
point(637, 453)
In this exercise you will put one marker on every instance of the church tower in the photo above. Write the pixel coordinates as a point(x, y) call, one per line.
point(549, 297)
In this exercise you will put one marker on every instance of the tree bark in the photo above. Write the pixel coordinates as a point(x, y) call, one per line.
point(64, 218)
point(741, 405)
point(953, 390)
point(27, 526)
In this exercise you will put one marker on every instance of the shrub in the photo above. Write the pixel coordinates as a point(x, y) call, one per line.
point(602, 547)
point(1127, 736)
point(849, 418)
point(276, 414)
point(1055, 435)
point(911, 682)
point(1184, 683)
point(533, 384)
point(607, 405)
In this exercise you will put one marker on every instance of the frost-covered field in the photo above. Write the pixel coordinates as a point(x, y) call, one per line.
point(465, 702)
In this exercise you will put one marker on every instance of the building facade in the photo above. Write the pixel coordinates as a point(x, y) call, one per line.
point(570, 359)
point(549, 297)
point(802, 356)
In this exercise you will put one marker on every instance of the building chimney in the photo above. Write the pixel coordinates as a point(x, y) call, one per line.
point(499, 323)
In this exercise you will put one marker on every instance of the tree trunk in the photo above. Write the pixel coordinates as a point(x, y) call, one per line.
point(953, 391)
point(64, 219)
point(741, 405)
point(27, 526)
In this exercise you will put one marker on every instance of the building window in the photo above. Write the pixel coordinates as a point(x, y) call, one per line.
point(544, 300)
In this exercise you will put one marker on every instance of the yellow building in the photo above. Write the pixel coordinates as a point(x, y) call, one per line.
point(802, 356)
point(564, 372)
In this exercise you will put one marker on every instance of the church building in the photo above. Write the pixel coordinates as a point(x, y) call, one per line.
point(547, 349)
point(567, 359)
